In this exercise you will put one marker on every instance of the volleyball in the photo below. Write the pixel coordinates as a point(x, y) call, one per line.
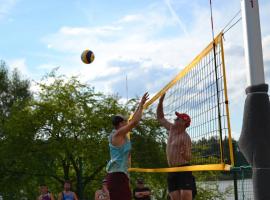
point(87, 56)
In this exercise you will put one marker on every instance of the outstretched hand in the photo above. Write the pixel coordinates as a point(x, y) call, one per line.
point(145, 97)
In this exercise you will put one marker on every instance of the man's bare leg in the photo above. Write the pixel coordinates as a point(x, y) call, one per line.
point(175, 195)
point(186, 194)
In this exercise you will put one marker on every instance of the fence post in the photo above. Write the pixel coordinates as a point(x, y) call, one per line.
point(235, 174)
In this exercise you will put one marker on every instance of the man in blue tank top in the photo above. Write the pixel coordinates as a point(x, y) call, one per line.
point(120, 146)
point(67, 194)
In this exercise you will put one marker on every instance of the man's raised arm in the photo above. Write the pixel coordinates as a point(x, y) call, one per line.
point(160, 115)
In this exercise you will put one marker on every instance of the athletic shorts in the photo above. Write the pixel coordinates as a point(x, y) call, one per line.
point(181, 181)
point(118, 186)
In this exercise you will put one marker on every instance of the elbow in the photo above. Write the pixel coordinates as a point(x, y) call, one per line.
point(159, 116)
point(133, 123)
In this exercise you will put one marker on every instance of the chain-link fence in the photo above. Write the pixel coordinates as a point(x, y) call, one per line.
point(233, 185)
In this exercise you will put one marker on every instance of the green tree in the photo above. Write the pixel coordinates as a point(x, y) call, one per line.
point(14, 91)
point(14, 96)
point(74, 125)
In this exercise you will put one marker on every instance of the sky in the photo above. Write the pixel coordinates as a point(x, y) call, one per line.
point(147, 41)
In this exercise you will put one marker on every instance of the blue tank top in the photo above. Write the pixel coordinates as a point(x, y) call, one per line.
point(68, 196)
point(119, 156)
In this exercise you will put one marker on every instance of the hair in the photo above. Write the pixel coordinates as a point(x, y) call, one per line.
point(117, 119)
point(140, 181)
point(67, 181)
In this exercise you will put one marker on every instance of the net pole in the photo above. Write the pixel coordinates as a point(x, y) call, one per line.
point(227, 105)
point(218, 107)
point(217, 88)
point(235, 178)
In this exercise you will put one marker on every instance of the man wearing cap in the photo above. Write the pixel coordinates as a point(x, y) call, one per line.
point(178, 151)
point(141, 192)
point(120, 146)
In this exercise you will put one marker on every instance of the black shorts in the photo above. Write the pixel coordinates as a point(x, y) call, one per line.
point(181, 181)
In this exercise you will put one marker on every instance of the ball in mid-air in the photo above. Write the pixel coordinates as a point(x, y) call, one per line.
point(87, 56)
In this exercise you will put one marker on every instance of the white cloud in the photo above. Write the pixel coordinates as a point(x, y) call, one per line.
point(19, 64)
point(131, 18)
point(176, 17)
point(80, 31)
point(6, 7)
point(46, 66)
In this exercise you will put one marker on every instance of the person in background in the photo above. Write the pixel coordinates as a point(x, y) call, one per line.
point(141, 192)
point(44, 193)
point(103, 193)
point(67, 194)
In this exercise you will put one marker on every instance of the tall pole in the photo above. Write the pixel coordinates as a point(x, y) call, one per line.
point(252, 42)
point(127, 87)
point(254, 140)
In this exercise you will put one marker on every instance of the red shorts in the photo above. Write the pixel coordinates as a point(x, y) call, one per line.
point(118, 186)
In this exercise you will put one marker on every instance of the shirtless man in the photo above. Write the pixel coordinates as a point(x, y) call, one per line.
point(178, 151)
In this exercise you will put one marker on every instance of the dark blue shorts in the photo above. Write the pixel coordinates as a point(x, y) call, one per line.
point(181, 181)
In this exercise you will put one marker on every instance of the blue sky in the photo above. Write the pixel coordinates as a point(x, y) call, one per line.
point(148, 41)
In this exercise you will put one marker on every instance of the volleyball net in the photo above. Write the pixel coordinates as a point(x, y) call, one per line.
point(200, 91)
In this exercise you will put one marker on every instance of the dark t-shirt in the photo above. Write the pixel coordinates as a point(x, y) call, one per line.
point(145, 189)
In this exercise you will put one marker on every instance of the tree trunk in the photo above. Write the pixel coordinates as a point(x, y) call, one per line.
point(80, 185)
point(65, 164)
